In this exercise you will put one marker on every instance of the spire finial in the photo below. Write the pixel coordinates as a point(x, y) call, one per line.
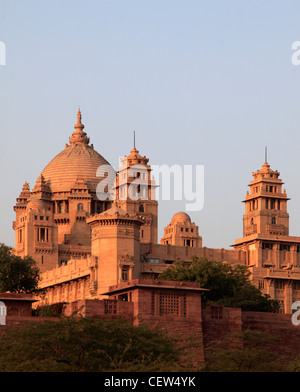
point(266, 154)
point(79, 136)
point(134, 139)
point(79, 117)
point(79, 126)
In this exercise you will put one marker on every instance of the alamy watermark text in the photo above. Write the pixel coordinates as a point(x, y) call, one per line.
point(2, 53)
point(174, 183)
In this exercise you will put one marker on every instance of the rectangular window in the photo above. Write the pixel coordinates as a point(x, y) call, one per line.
point(152, 260)
point(152, 303)
point(296, 285)
point(279, 284)
point(110, 306)
point(266, 245)
point(261, 284)
point(216, 312)
point(284, 247)
point(42, 235)
point(125, 274)
point(168, 304)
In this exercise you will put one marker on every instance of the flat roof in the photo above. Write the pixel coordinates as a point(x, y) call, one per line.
point(17, 297)
point(135, 286)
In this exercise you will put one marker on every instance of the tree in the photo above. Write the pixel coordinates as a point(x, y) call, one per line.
point(17, 275)
point(255, 354)
point(228, 285)
point(86, 345)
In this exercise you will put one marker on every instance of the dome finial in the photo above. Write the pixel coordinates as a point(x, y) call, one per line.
point(79, 126)
point(79, 136)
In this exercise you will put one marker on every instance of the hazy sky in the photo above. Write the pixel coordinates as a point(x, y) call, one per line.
point(201, 82)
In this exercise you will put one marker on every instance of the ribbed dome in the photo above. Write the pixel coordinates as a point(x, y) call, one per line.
point(78, 159)
point(181, 217)
point(62, 172)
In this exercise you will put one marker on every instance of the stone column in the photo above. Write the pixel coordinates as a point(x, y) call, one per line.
point(288, 300)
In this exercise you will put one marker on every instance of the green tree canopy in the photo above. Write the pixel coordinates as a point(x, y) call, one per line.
point(86, 345)
point(17, 275)
point(228, 285)
point(257, 353)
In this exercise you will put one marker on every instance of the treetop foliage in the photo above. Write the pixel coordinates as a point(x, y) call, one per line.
point(86, 345)
point(17, 274)
point(228, 285)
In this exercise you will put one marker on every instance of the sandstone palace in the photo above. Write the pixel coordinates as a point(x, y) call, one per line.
point(83, 244)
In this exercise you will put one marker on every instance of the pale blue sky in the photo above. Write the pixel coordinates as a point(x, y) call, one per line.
point(202, 82)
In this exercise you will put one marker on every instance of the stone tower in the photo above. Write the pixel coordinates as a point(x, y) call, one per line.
point(272, 255)
point(266, 204)
point(116, 245)
point(135, 193)
point(35, 229)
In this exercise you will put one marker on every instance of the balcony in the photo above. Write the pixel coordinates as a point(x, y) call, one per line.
point(153, 268)
point(92, 287)
point(252, 229)
point(63, 217)
point(275, 229)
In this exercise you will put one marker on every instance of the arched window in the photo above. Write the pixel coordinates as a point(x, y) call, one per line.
point(125, 273)
point(141, 208)
point(80, 207)
point(273, 220)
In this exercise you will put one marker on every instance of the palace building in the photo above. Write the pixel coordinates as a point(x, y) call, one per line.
point(272, 255)
point(85, 242)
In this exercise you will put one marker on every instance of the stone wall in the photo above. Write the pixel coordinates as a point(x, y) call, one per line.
point(106, 308)
point(221, 327)
point(279, 326)
point(196, 329)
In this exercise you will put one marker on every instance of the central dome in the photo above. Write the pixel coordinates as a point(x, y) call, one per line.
point(79, 159)
point(181, 217)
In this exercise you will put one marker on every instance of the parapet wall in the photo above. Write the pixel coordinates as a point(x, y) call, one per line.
point(185, 253)
point(105, 308)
